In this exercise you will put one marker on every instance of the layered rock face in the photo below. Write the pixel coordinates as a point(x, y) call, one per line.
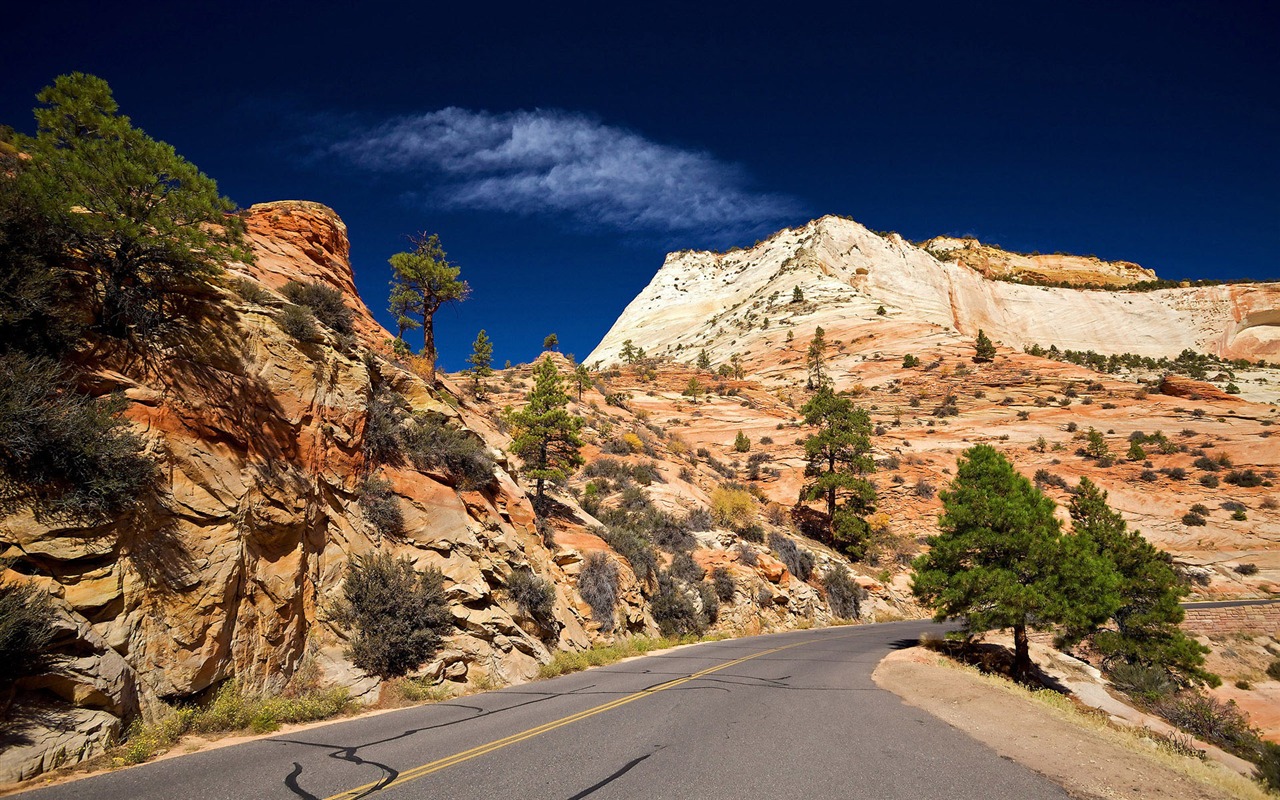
point(740, 301)
point(230, 569)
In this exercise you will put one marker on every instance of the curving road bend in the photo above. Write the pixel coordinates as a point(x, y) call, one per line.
point(791, 715)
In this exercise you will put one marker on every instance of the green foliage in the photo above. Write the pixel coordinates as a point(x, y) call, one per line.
point(143, 222)
point(66, 456)
point(1096, 445)
point(685, 568)
point(815, 360)
point(673, 609)
point(629, 353)
point(298, 322)
point(844, 595)
point(422, 281)
point(1146, 629)
point(398, 614)
point(984, 350)
point(325, 302)
point(380, 506)
point(838, 454)
point(1208, 718)
point(581, 379)
point(1268, 771)
point(722, 582)
point(635, 547)
point(704, 360)
point(1001, 560)
point(909, 361)
point(797, 296)
point(481, 358)
point(694, 388)
point(880, 312)
point(798, 560)
point(1136, 453)
point(250, 291)
point(741, 443)
point(551, 342)
point(598, 585)
point(430, 442)
point(27, 631)
point(544, 433)
point(534, 596)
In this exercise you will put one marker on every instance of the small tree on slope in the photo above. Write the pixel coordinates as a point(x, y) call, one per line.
point(545, 433)
point(1001, 560)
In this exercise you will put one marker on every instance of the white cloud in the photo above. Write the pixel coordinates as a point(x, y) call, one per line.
point(532, 162)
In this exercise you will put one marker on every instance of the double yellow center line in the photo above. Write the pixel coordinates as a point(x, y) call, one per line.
point(498, 744)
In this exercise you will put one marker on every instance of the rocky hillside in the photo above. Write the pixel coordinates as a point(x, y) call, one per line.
point(741, 301)
point(232, 571)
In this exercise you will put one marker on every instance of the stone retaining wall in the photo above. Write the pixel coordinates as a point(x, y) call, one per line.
point(1254, 619)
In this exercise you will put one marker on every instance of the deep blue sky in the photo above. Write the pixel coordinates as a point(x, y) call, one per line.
point(1139, 131)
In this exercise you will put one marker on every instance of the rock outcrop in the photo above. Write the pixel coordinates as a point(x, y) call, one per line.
point(740, 301)
point(994, 262)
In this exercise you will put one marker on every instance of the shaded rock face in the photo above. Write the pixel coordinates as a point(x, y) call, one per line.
point(229, 570)
point(741, 301)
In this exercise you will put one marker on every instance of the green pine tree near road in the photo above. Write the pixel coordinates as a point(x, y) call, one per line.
point(1001, 560)
point(422, 281)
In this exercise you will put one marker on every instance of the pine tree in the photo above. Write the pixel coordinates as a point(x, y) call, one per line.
point(797, 296)
point(545, 434)
point(704, 360)
point(1001, 560)
point(741, 443)
point(581, 379)
point(1146, 622)
point(628, 353)
point(481, 358)
point(816, 359)
point(693, 388)
point(144, 220)
point(422, 281)
point(838, 455)
point(551, 342)
point(985, 350)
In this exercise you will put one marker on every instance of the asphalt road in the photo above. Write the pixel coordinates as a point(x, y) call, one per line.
point(791, 715)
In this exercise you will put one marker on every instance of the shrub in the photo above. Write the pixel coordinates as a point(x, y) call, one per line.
point(1268, 771)
point(698, 519)
point(298, 322)
point(598, 585)
point(710, 602)
point(380, 506)
point(1200, 509)
point(798, 561)
point(747, 554)
point(909, 361)
point(722, 582)
point(1209, 481)
point(324, 302)
point(1193, 520)
point(430, 442)
point(741, 443)
point(399, 614)
point(67, 456)
point(766, 440)
point(250, 291)
point(1206, 463)
point(844, 595)
point(534, 596)
point(1273, 670)
point(1044, 477)
point(1148, 475)
point(635, 547)
point(1142, 681)
point(673, 610)
point(1246, 569)
point(733, 508)
point(751, 532)
point(1239, 516)
point(1174, 473)
point(684, 568)
point(27, 629)
point(1203, 716)
point(925, 489)
point(1245, 478)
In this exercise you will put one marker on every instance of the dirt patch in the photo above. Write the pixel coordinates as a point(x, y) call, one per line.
point(1081, 752)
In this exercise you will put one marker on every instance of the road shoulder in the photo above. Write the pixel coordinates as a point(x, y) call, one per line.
point(1080, 752)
